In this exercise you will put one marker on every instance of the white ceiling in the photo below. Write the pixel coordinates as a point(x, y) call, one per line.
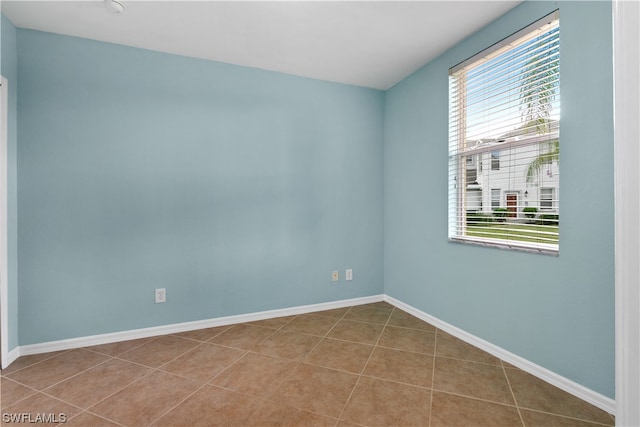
point(365, 43)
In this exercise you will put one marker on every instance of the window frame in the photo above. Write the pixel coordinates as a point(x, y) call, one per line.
point(459, 195)
point(550, 199)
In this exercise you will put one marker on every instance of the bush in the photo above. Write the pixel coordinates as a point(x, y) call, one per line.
point(476, 219)
point(530, 212)
point(549, 219)
point(500, 214)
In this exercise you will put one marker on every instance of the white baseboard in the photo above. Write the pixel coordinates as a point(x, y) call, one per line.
point(87, 341)
point(603, 402)
point(588, 395)
point(11, 357)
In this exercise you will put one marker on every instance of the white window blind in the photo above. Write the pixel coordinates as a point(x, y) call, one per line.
point(504, 110)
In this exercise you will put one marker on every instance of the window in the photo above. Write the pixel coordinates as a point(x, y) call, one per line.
point(495, 160)
point(495, 198)
point(546, 198)
point(505, 102)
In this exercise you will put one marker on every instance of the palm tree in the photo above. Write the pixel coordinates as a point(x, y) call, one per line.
point(551, 153)
point(537, 92)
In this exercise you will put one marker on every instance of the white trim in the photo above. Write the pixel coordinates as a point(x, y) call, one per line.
point(189, 326)
point(4, 253)
point(516, 38)
point(559, 381)
point(626, 48)
point(12, 356)
point(581, 392)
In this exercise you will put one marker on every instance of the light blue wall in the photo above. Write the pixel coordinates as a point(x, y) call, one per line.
point(557, 312)
point(9, 60)
point(238, 190)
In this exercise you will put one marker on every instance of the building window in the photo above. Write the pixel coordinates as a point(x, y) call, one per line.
point(505, 101)
point(495, 160)
point(546, 198)
point(495, 198)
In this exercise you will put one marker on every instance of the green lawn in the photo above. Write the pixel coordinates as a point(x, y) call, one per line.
point(519, 232)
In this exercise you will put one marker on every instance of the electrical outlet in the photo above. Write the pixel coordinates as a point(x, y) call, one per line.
point(161, 295)
point(335, 276)
point(348, 274)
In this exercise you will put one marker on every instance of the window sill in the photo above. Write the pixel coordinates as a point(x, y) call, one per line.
point(541, 249)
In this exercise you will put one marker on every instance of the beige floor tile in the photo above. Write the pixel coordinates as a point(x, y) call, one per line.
point(452, 347)
point(25, 361)
point(145, 400)
point(255, 374)
point(159, 351)
point(402, 366)
point(243, 336)
point(540, 419)
point(87, 419)
point(288, 345)
point(90, 387)
point(211, 406)
point(383, 403)
point(275, 323)
point(472, 380)
point(408, 339)
point(362, 332)
point(270, 413)
point(319, 390)
point(405, 320)
point(372, 313)
point(204, 334)
point(336, 312)
point(12, 392)
point(311, 324)
point(50, 371)
point(533, 393)
point(379, 304)
point(55, 410)
point(117, 348)
point(204, 362)
point(458, 411)
point(508, 365)
point(343, 423)
point(346, 356)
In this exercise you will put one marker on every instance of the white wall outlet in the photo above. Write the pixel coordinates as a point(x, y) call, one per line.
point(348, 274)
point(335, 276)
point(161, 295)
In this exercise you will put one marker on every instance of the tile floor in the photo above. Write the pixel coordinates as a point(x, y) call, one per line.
point(368, 365)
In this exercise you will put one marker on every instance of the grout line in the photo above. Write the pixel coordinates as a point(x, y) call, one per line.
point(337, 320)
point(409, 351)
point(180, 402)
point(73, 376)
point(35, 391)
point(5, 374)
point(144, 341)
point(513, 395)
point(466, 396)
point(179, 334)
point(184, 353)
point(151, 371)
point(373, 377)
point(86, 411)
point(433, 374)
point(268, 397)
point(365, 365)
point(595, 423)
point(495, 365)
